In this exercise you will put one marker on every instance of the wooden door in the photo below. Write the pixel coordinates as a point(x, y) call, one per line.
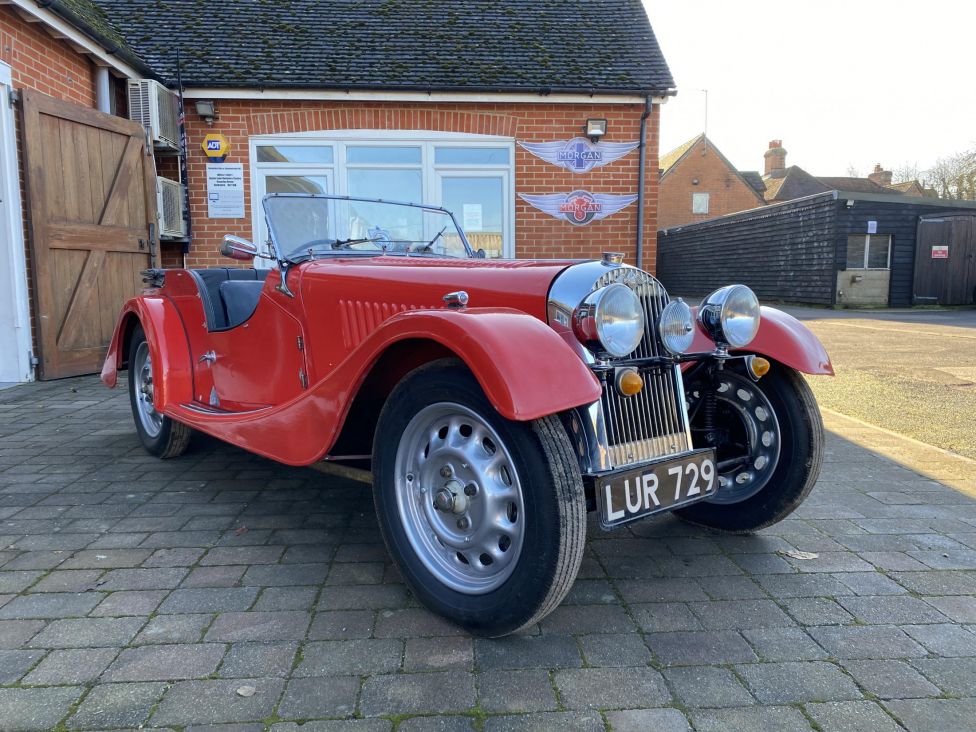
point(92, 202)
point(945, 260)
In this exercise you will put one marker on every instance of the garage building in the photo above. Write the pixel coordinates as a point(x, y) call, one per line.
point(534, 120)
point(834, 248)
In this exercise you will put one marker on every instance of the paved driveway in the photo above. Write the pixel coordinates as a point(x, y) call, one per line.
point(913, 372)
point(221, 588)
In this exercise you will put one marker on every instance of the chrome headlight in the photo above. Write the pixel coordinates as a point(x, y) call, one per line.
point(730, 315)
point(677, 327)
point(610, 319)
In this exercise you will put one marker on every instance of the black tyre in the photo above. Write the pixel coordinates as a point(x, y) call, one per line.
point(160, 435)
point(769, 452)
point(484, 517)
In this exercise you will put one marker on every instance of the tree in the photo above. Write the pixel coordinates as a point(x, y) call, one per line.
point(954, 177)
point(906, 173)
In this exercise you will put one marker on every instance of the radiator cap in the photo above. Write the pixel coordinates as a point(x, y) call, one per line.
point(613, 258)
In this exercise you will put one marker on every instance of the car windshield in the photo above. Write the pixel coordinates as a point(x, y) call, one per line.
point(305, 226)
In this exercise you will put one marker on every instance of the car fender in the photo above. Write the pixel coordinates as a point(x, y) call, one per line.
point(783, 338)
point(525, 368)
point(168, 346)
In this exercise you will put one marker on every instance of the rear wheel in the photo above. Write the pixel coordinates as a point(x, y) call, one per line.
point(162, 436)
point(769, 442)
point(484, 517)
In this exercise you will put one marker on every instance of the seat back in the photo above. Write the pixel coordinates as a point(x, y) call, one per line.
point(240, 299)
point(209, 282)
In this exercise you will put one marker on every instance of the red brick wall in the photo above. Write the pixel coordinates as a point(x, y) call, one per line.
point(41, 62)
point(536, 234)
point(728, 193)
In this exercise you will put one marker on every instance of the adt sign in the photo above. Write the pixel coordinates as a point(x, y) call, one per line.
point(216, 147)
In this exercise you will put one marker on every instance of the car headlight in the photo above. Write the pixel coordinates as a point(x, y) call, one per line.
point(610, 319)
point(730, 315)
point(677, 327)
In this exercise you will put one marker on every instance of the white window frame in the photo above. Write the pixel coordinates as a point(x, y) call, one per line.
point(431, 173)
point(867, 251)
point(700, 196)
point(15, 329)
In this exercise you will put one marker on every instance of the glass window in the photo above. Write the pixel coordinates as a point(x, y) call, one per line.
point(478, 205)
point(382, 155)
point(390, 184)
point(295, 154)
point(868, 251)
point(471, 156)
point(878, 248)
point(295, 184)
point(855, 252)
point(699, 203)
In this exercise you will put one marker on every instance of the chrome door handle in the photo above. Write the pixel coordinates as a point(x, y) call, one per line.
point(209, 357)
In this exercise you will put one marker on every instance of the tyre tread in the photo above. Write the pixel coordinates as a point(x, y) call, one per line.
point(572, 521)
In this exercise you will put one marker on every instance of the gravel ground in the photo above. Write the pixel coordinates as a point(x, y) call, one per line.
point(910, 372)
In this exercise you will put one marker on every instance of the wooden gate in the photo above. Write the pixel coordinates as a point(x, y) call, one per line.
point(92, 202)
point(945, 260)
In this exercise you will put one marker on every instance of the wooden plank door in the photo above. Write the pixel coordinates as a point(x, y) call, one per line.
point(92, 202)
point(931, 273)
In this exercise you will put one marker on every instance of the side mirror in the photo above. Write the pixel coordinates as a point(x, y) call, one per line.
point(239, 248)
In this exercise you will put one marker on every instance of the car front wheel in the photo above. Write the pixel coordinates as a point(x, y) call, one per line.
point(162, 436)
point(769, 440)
point(484, 517)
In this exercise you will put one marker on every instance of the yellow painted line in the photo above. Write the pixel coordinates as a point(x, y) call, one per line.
point(949, 468)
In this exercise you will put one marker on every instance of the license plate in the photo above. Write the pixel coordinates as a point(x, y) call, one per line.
point(632, 494)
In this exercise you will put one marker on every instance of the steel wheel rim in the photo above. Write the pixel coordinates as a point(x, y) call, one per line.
point(749, 403)
point(141, 373)
point(447, 447)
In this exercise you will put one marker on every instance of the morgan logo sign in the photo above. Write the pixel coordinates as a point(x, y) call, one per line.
point(579, 155)
point(579, 207)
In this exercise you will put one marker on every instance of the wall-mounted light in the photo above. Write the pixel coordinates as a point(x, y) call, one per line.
point(695, 181)
point(208, 110)
point(595, 129)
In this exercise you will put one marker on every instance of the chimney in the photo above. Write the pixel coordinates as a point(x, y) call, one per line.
point(775, 158)
point(880, 176)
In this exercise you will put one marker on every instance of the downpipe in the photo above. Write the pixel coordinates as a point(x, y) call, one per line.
point(641, 177)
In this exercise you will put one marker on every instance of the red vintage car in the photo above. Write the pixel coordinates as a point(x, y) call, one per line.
point(493, 402)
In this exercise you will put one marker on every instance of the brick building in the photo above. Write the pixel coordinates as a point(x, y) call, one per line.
point(697, 182)
point(441, 102)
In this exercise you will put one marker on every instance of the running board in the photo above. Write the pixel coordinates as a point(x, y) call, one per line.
point(343, 471)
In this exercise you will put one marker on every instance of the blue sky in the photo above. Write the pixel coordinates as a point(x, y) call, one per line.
point(842, 82)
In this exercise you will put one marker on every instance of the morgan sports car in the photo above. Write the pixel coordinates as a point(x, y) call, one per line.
point(491, 403)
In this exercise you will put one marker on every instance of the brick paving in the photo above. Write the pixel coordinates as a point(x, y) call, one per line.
point(220, 591)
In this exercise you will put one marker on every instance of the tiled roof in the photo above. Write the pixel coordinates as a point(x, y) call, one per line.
point(572, 46)
point(855, 185)
point(668, 160)
point(754, 179)
point(89, 17)
point(795, 182)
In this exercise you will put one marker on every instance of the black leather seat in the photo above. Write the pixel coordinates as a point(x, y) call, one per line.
point(209, 282)
point(240, 300)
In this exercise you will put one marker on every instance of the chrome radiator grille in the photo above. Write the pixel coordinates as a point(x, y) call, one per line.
point(653, 297)
point(652, 423)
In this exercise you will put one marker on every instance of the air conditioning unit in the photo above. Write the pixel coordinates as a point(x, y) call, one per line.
point(170, 206)
point(157, 109)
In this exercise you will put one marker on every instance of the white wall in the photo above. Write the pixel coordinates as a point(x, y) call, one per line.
point(15, 333)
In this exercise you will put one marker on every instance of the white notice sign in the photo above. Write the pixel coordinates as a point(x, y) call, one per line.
point(471, 216)
point(225, 190)
point(872, 227)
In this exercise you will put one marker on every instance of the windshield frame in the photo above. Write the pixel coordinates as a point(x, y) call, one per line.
point(279, 255)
